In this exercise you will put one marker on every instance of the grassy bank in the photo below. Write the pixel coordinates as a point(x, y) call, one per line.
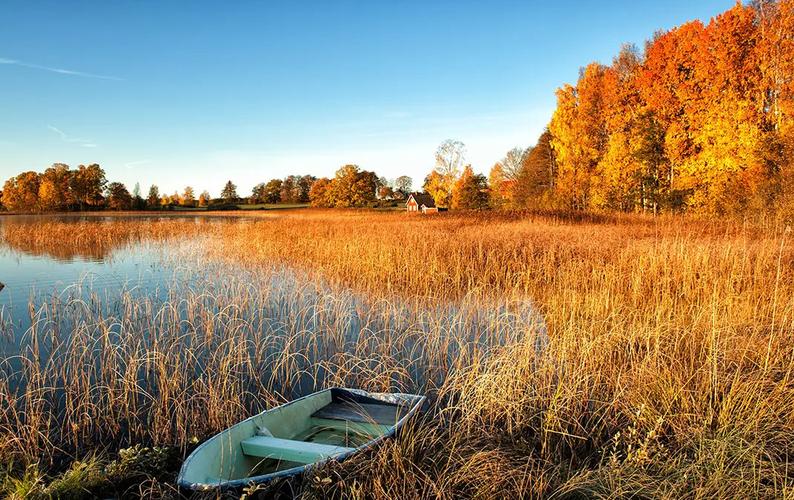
point(667, 371)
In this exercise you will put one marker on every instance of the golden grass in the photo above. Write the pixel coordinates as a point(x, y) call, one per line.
point(667, 371)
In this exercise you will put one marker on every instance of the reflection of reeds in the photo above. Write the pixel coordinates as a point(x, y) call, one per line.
point(667, 370)
point(91, 239)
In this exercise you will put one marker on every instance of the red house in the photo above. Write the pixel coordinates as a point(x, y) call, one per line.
point(421, 202)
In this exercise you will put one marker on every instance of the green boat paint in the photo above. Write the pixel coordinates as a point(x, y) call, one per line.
point(332, 424)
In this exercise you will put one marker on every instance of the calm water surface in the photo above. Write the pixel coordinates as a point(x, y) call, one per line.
point(34, 274)
point(28, 269)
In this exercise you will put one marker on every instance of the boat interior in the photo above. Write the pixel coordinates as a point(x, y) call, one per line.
point(327, 424)
point(337, 428)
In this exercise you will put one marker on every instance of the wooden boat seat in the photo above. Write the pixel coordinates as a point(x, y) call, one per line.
point(290, 450)
point(385, 414)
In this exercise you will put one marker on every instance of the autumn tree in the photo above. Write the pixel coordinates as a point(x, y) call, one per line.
point(353, 187)
point(503, 178)
point(304, 186)
point(450, 156)
point(579, 136)
point(618, 178)
point(88, 184)
point(436, 185)
point(727, 124)
point(669, 91)
point(651, 167)
point(153, 200)
point(500, 192)
point(535, 182)
point(118, 198)
point(470, 191)
point(204, 199)
point(775, 55)
point(188, 197)
point(229, 192)
point(55, 191)
point(295, 188)
point(350, 187)
point(272, 191)
point(440, 183)
point(257, 194)
point(21, 193)
point(321, 192)
point(289, 189)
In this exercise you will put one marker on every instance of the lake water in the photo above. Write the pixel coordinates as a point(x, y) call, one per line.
point(35, 273)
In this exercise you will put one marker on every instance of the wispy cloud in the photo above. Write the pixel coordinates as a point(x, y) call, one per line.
point(61, 71)
point(85, 143)
point(137, 163)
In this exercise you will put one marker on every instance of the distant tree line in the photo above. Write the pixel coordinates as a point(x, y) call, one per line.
point(60, 188)
point(352, 187)
point(291, 189)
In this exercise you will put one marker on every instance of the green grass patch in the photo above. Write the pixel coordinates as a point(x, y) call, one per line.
point(94, 477)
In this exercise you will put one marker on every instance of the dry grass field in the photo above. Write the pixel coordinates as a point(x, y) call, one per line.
point(589, 356)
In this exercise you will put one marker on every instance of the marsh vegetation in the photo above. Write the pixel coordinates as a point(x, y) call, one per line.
point(564, 356)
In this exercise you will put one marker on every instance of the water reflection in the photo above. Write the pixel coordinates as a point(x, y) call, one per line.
point(55, 236)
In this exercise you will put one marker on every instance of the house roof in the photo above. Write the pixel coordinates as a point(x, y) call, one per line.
point(424, 199)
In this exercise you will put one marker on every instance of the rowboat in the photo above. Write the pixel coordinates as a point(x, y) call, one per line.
point(285, 441)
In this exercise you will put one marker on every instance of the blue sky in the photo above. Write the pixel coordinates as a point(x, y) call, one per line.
point(195, 93)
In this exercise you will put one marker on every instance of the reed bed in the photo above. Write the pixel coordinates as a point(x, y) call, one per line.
point(604, 357)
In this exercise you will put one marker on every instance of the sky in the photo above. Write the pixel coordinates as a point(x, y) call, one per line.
point(198, 93)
